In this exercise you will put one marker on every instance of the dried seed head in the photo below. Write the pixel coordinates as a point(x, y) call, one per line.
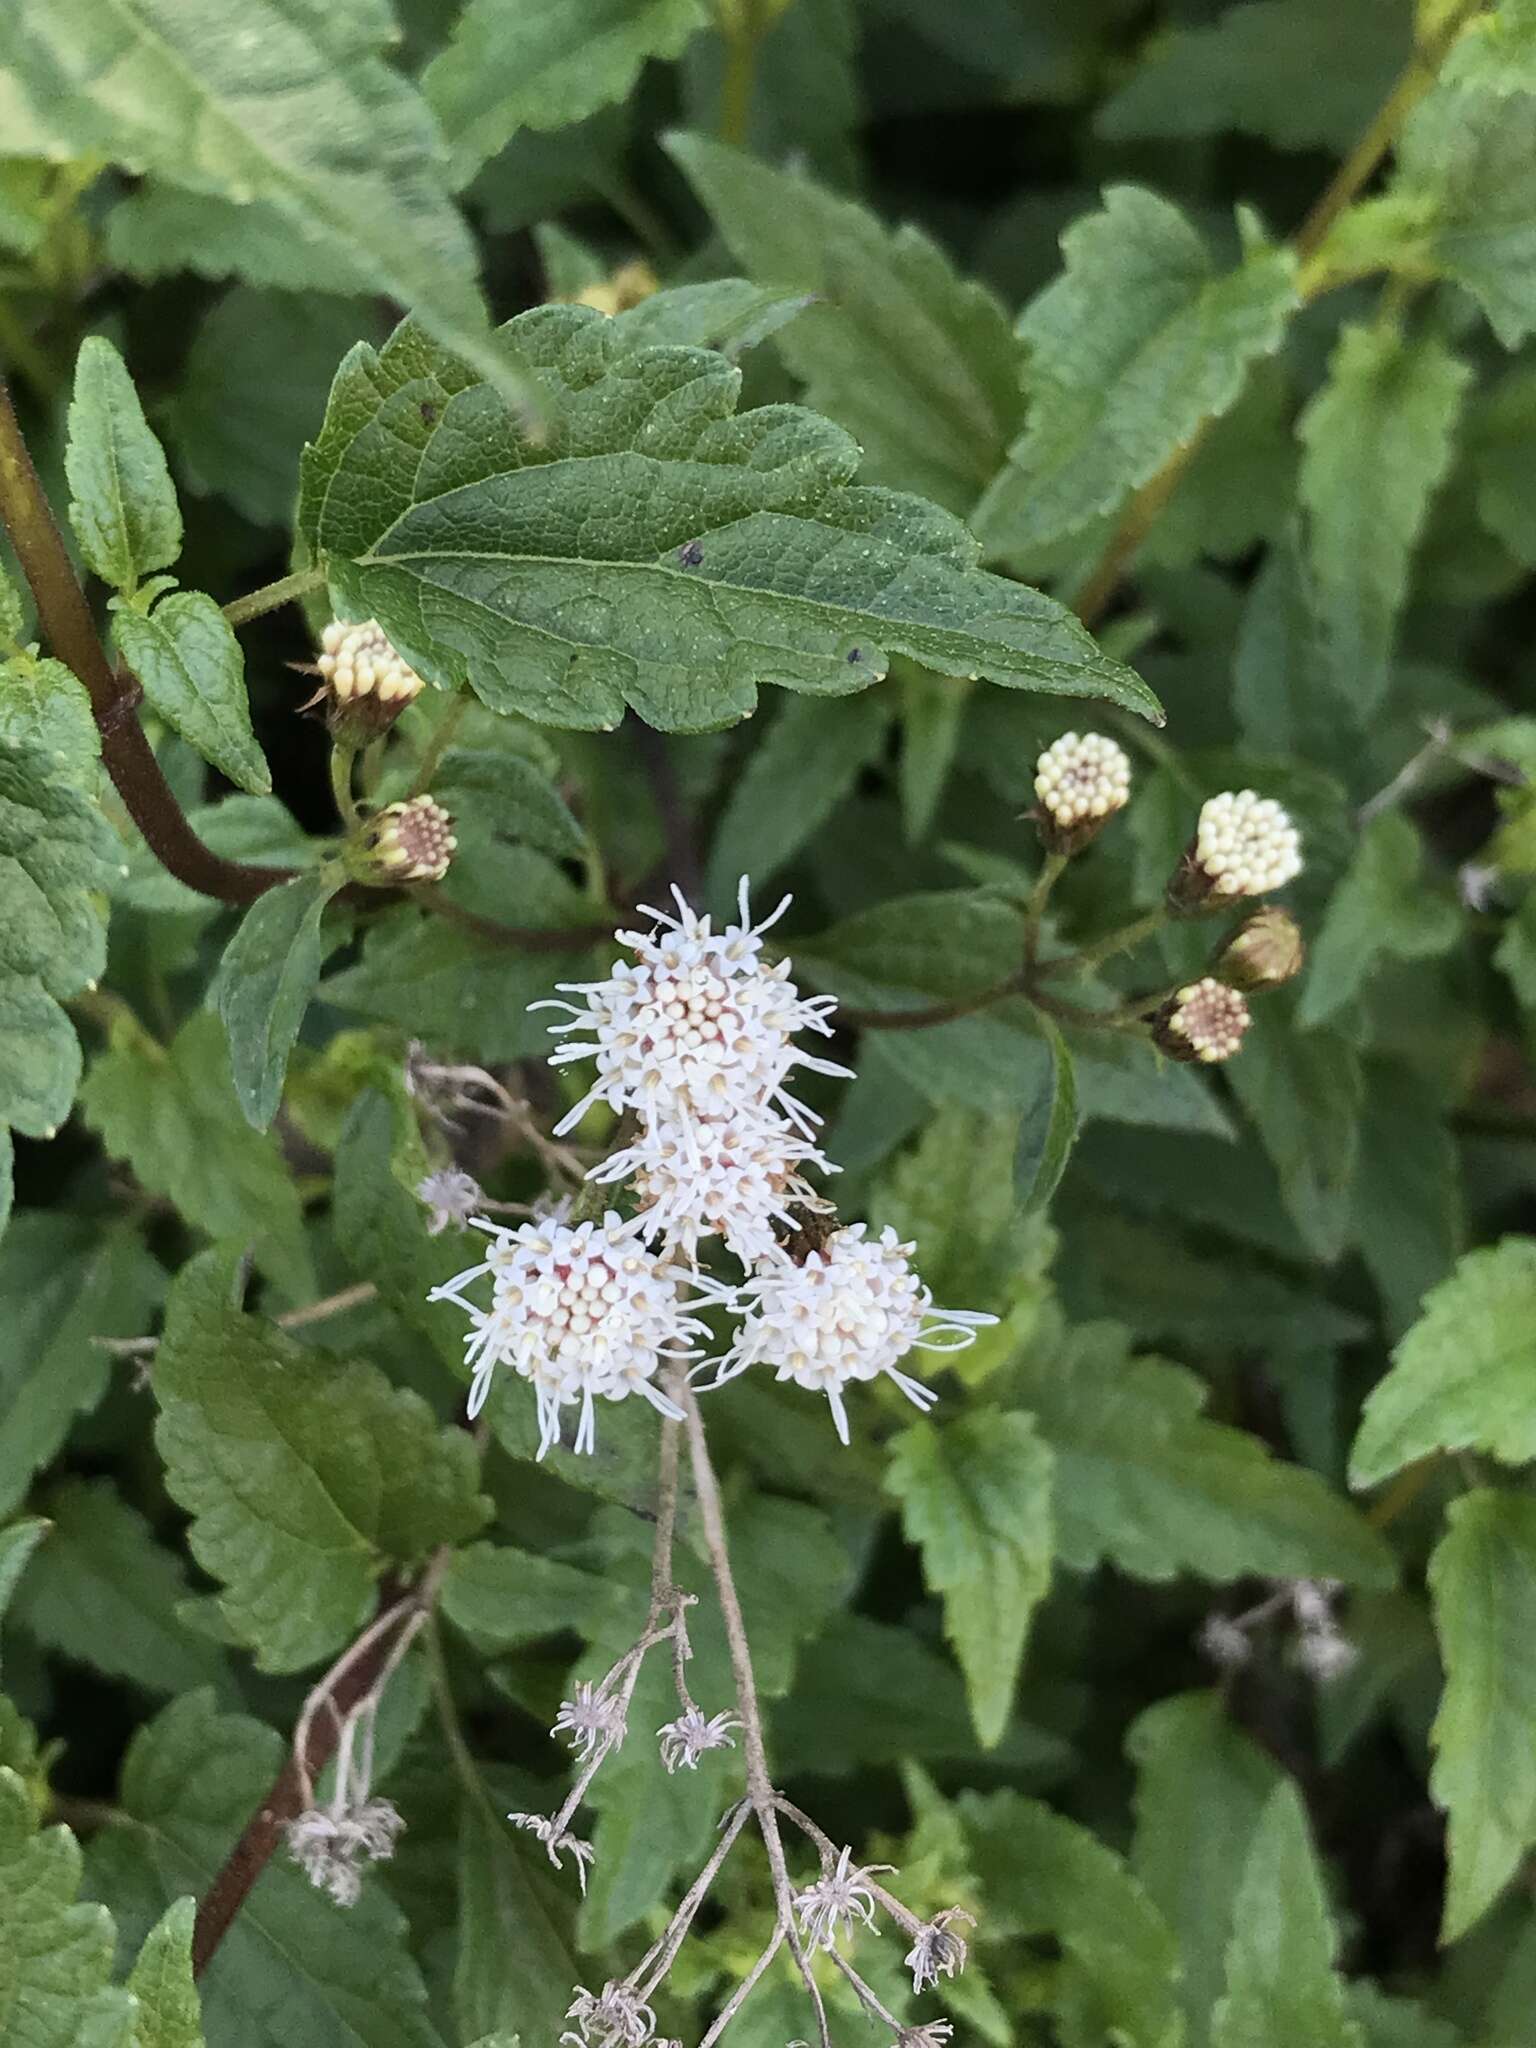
point(541, 1825)
point(1081, 780)
point(614, 2019)
point(331, 1846)
point(1224, 1642)
point(1244, 845)
point(1325, 1654)
point(935, 2034)
point(452, 1195)
point(594, 1721)
point(1204, 1021)
point(685, 1740)
point(410, 841)
point(1266, 950)
point(936, 1951)
point(366, 683)
point(839, 1901)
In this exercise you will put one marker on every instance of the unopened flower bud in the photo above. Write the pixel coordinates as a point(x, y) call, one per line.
point(1244, 845)
point(628, 286)
point(366, 682)
point(1204, 1021)
point(1266, 949)
point(1081, 780)
point(406, 842)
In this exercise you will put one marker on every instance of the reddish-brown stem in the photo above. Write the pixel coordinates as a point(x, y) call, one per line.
point(285, 1801)
point(66, 621)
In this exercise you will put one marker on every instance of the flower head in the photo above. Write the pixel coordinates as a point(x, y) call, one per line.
point(1245, 845)
point(1204, 1021)
point(935, 1951)
point(452, 1195)
point(731, 1177)
point(934, 2034)
point(582, 1313)
point(1225, 1642)
point(357, 660)
point(1081, 780)
point(848, 1312)
point(837, 1902)
point(698, 1027)
point(411, 841)
point(1265, 950)
point(557, 1845)
point(614, 2019)
point(685, 1740)
point(593, 1719)
point(331, 1846)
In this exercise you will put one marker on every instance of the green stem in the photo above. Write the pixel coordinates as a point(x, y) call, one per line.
point(19, 349)
point(1128, 935)
point(736, 86)
point(272, 595)
point(1051, 870)
point(343, 757)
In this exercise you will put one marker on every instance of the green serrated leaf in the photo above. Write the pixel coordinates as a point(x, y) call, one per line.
point(545, 64)
point(1202, 1789)
point(707, 553)
point(1483, 1581)
point(1129, 351)
point(950, 943)
point(169, 2011)
point(269, 972)
point(1377, 445)
point(64, 1283)
point(917, 363)
point(1282, 1989)
point(55, 1954)
point(1408, 1193)
point(1460, 1379)
point(975, 1497)
point(57, 854)
point(186, 656)
point(1302, 74)
point(514, 1965)
point(105, 1594)
point(122, 501)
point(17, 1543)
point(171, 1113)
point(524, 802)
point(305, 1474)
point(160, 229)
point(1383, 909)
point(793, 781)
point(501, 1598)
point(12, 612)
point(44, 708)
point(1303, 1091)
point(191, 1780)
point(1045, 1875)
point(1146, 1482)
point(1049, 1127)
point(298, 114)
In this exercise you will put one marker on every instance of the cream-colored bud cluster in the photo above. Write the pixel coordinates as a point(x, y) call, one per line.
point(413, 840)
point(1082, 776)
point(1246, 845)
point(358, 661)
point(1204, 1021)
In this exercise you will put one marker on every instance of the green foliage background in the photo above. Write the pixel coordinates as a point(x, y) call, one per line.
point(1212, 326)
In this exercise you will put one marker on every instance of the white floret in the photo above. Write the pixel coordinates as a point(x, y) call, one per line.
point(1246, 844)
point(1082, 776)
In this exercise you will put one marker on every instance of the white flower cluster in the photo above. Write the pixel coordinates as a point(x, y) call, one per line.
point(358, 661)
point(694, 1038)
point(1246, 845)
point(1082, 777)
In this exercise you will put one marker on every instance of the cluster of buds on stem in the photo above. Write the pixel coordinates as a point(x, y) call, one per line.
point(365, 682)
point(409, 841)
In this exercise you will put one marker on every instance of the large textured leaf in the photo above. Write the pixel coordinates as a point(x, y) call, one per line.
point(514, 1964)
point(171, 1113)
point(544, 64)
point(297, 111)
point(1408, 1192)
point(305, 1474)
point(1303, 1091)
point(975, 1497)
point(169, 2013)
point(1041, 1874)
point(63, 1282)
point(653, 549)
point(1483, 1579)
point(105, 1594)
point(1282, 1991)
point(1378, 443)
point(1138, 342)
point(1145, 1481)
point(55, 1955)
point(292, 1968)
point(17, 1543)
point(186, 656)
point(1202, 1788)
point(122, 504)
point(917, 363)
point(1382, 909)
point(56, 854)
point(1461, 1378)
point(43, 707)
